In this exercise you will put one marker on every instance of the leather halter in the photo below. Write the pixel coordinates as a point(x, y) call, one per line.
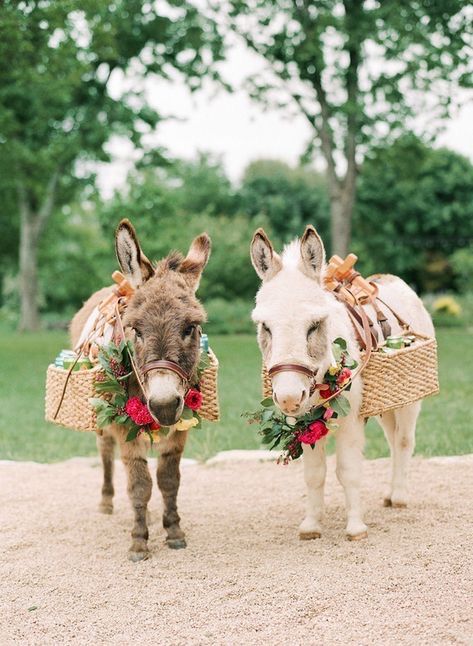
point(366, 338)
point(163, 364)
point(294, 367)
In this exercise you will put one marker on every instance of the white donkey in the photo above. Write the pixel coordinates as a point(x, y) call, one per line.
point(297, 321)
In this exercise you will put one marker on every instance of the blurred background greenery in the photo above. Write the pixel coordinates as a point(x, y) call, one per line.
point(72, 81)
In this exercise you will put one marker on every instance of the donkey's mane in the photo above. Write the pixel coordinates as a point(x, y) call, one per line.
point(171, 262)
point(291, 254)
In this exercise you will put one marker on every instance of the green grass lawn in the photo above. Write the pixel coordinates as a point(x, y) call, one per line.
point(444, 428)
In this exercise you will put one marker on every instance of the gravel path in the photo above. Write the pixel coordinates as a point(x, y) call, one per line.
point(245, 578)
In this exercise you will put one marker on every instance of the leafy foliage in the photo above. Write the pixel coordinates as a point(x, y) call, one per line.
point(359, 72)
point(289, 197)
point(413, 211)
point(69, 92)
point(291, 432)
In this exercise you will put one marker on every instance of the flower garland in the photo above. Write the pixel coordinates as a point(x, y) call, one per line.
point(291, 432)
point(116, 407)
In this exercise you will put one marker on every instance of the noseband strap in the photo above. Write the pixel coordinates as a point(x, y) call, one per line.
point(162, 364)
point(290, 367)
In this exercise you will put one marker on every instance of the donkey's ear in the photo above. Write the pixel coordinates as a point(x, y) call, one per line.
point(265, 260)
point(197, 257)
point(134, 264)
point(313, 253)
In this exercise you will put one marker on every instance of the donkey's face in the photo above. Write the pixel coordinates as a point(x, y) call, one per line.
point(163, 317)
point(292, 315)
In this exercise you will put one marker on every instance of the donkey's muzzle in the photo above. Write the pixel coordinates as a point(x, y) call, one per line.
point(168, 412)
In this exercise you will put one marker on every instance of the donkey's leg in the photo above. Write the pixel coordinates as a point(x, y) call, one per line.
point(106, 446)
point(315, 469)
point(387, 421)
point(139, 490)
point(168, 475)
point(403, 444)
point(350, 442)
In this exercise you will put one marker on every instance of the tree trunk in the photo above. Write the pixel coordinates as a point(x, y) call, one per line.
point(341, 211)
point(29, 313)
point(32, 222)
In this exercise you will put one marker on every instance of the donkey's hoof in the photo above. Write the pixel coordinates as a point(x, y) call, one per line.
point(176, 543)
point(357, 537)
point(135, 557)
point(396, 503)
point(105, 508)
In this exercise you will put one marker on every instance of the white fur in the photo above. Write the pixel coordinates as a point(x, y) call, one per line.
point(288, 303)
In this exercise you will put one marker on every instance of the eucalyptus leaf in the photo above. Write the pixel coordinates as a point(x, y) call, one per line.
point(340, 405)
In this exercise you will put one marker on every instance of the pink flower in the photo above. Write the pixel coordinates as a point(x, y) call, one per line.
point(328, 413)
point(193, 399)
point(314, 432)
point(138, 411)
point(344, 376)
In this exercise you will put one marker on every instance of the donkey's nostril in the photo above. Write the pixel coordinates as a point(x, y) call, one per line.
point(166, 412)
point(302, 397)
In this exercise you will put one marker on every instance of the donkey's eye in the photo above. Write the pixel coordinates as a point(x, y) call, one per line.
point(137, 333)
point(188, 331)
point(265, 328)
point(313, 328)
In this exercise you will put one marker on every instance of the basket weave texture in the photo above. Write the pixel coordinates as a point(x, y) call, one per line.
point(210, 409)
point(393, 380)
point(77, 413)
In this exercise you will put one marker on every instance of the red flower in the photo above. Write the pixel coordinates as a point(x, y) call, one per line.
point(154, 426)
point(138, 411)
point(344, 376)
point(314, 432)
point(326, 392)
point(193, 399)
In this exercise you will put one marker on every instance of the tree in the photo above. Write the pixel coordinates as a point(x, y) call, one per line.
point(358, 71)
point(428, 194)
point(289, 197)
point(60, 97)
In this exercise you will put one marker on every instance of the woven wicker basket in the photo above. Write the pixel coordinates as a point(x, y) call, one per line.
point(76, 412)
point(393, 380)
point(400, 378)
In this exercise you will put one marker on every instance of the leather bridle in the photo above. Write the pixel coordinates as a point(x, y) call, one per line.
point(164, 364)
point(366, 339)
point(294, 367)
point(160, 364)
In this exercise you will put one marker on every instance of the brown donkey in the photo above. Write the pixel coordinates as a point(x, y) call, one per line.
point(163, 320)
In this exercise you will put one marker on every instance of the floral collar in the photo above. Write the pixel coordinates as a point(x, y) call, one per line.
point(293, 432)
point(115, 406)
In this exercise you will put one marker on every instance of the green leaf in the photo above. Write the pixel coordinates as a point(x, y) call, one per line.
point(187, 413)
point(267, 415)
point(341, 343)
point(340, 405)
point(132, 434)
point(267, 402)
